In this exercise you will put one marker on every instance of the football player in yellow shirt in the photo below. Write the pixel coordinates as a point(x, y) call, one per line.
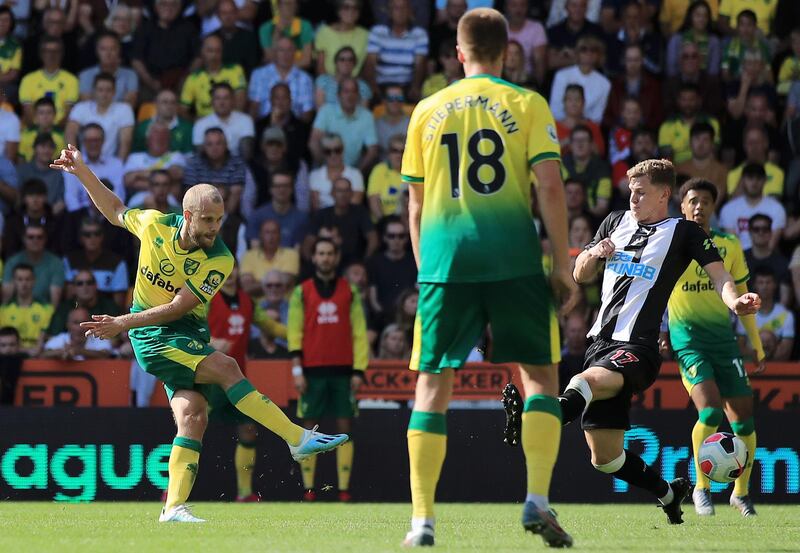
point(182, 265)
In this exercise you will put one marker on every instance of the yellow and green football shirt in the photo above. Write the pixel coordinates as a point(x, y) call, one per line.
point(61, 87)
point(196, 90)
point(10, 54)
point(164, 267)
point(674, 134)
point(471, 146)
point(29, 320)
point(28, 136)
point(698, 318)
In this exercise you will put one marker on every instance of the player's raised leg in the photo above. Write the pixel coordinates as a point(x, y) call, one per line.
point(427, 446)
point(740, 414)
point(705, 396)
point(223, 371)
point(190, 411)
point(245, 460)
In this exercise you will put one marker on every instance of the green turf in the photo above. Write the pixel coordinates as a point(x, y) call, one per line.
point(323, 527)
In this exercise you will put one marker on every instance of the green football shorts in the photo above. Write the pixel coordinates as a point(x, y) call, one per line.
point(724, 368)
point(171, 353)
point(451, 318)
point(327, 397)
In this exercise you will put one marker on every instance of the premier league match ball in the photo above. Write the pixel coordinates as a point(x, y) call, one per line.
point(723, 457)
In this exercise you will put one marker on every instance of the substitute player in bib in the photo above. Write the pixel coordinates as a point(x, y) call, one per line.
point(468, 157)
point(644, 252)
point(182, 265)
point(231, 314)
point(706, 349)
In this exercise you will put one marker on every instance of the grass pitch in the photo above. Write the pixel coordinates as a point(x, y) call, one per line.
point(326, 527)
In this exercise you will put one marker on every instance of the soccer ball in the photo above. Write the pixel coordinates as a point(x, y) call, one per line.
point(723, 457)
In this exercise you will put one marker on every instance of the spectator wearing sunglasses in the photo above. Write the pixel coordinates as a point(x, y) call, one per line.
point(47, 267)
point(385, 187)
point(763, 254)
point(392, 270)
point(84, 295)
point(321, 180)
point(326, 87)
point(394, 119)
point(109, 269)
point(331, 39)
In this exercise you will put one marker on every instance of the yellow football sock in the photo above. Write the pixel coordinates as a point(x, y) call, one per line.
point(308, 467)
point(708, 420)
point(258, 407)
point(427, 446)
point(344, 463)
point(245, 461)
point(541, 437)
point(183, 461)
point(746, 431)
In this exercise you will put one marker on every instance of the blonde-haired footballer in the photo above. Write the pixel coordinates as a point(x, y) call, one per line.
point(182, 265)
point(468, 157)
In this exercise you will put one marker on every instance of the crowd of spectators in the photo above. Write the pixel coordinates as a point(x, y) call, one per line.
point(297, 111)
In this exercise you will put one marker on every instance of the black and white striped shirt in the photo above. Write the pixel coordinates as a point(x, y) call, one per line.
point(640, 275)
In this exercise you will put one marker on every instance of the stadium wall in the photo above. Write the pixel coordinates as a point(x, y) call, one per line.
point(120, 454)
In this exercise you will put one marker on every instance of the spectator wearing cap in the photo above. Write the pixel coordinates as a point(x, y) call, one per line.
point(321, 179)
point(735, 215)
point(704, 163)
point(584, 165)
point(239, 44)
point(109, 60)
point(34, 208)
point(158, 157)
point(273, 157)
point(596, 86)
point(116, 118)
point(268, 255)
point(44, 152)
point(109, 269)
point(44, 117)
point(756, 146)
point(293, 222)
point(199, 86)
point(180, 130)
point(326, 86)
point(763, 254)
point(282, 70)
point(296, 130)
point(385, 187)
point(47, 267)
point(352, 122)
point(108, 167)
point(564, 34)
point(674, 133)
point(237, 126)
point(345, 32)
point(214, 163)
point(166, 32)
point(394, 119)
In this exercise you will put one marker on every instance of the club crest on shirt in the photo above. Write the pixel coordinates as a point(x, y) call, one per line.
point(212, 282)
point(190, 266)
point(551, 133)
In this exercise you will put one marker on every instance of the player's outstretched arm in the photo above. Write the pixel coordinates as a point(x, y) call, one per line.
point(106, 327)
point(745, 304)
point(71, 161)
point(751, 328)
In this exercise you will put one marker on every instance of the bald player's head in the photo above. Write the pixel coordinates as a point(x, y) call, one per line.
point(204, 210)
point(198, 194)
point(482, 36)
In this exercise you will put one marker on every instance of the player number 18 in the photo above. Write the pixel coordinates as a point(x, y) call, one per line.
point(450, 141)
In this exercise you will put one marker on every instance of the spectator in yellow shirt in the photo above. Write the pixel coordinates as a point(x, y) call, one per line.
point(196, 92)
point(268, 256)
point(385, 186)
point(29, 317)
point(50, 81)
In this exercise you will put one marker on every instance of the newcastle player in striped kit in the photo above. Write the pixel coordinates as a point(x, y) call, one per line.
point(643, 252)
